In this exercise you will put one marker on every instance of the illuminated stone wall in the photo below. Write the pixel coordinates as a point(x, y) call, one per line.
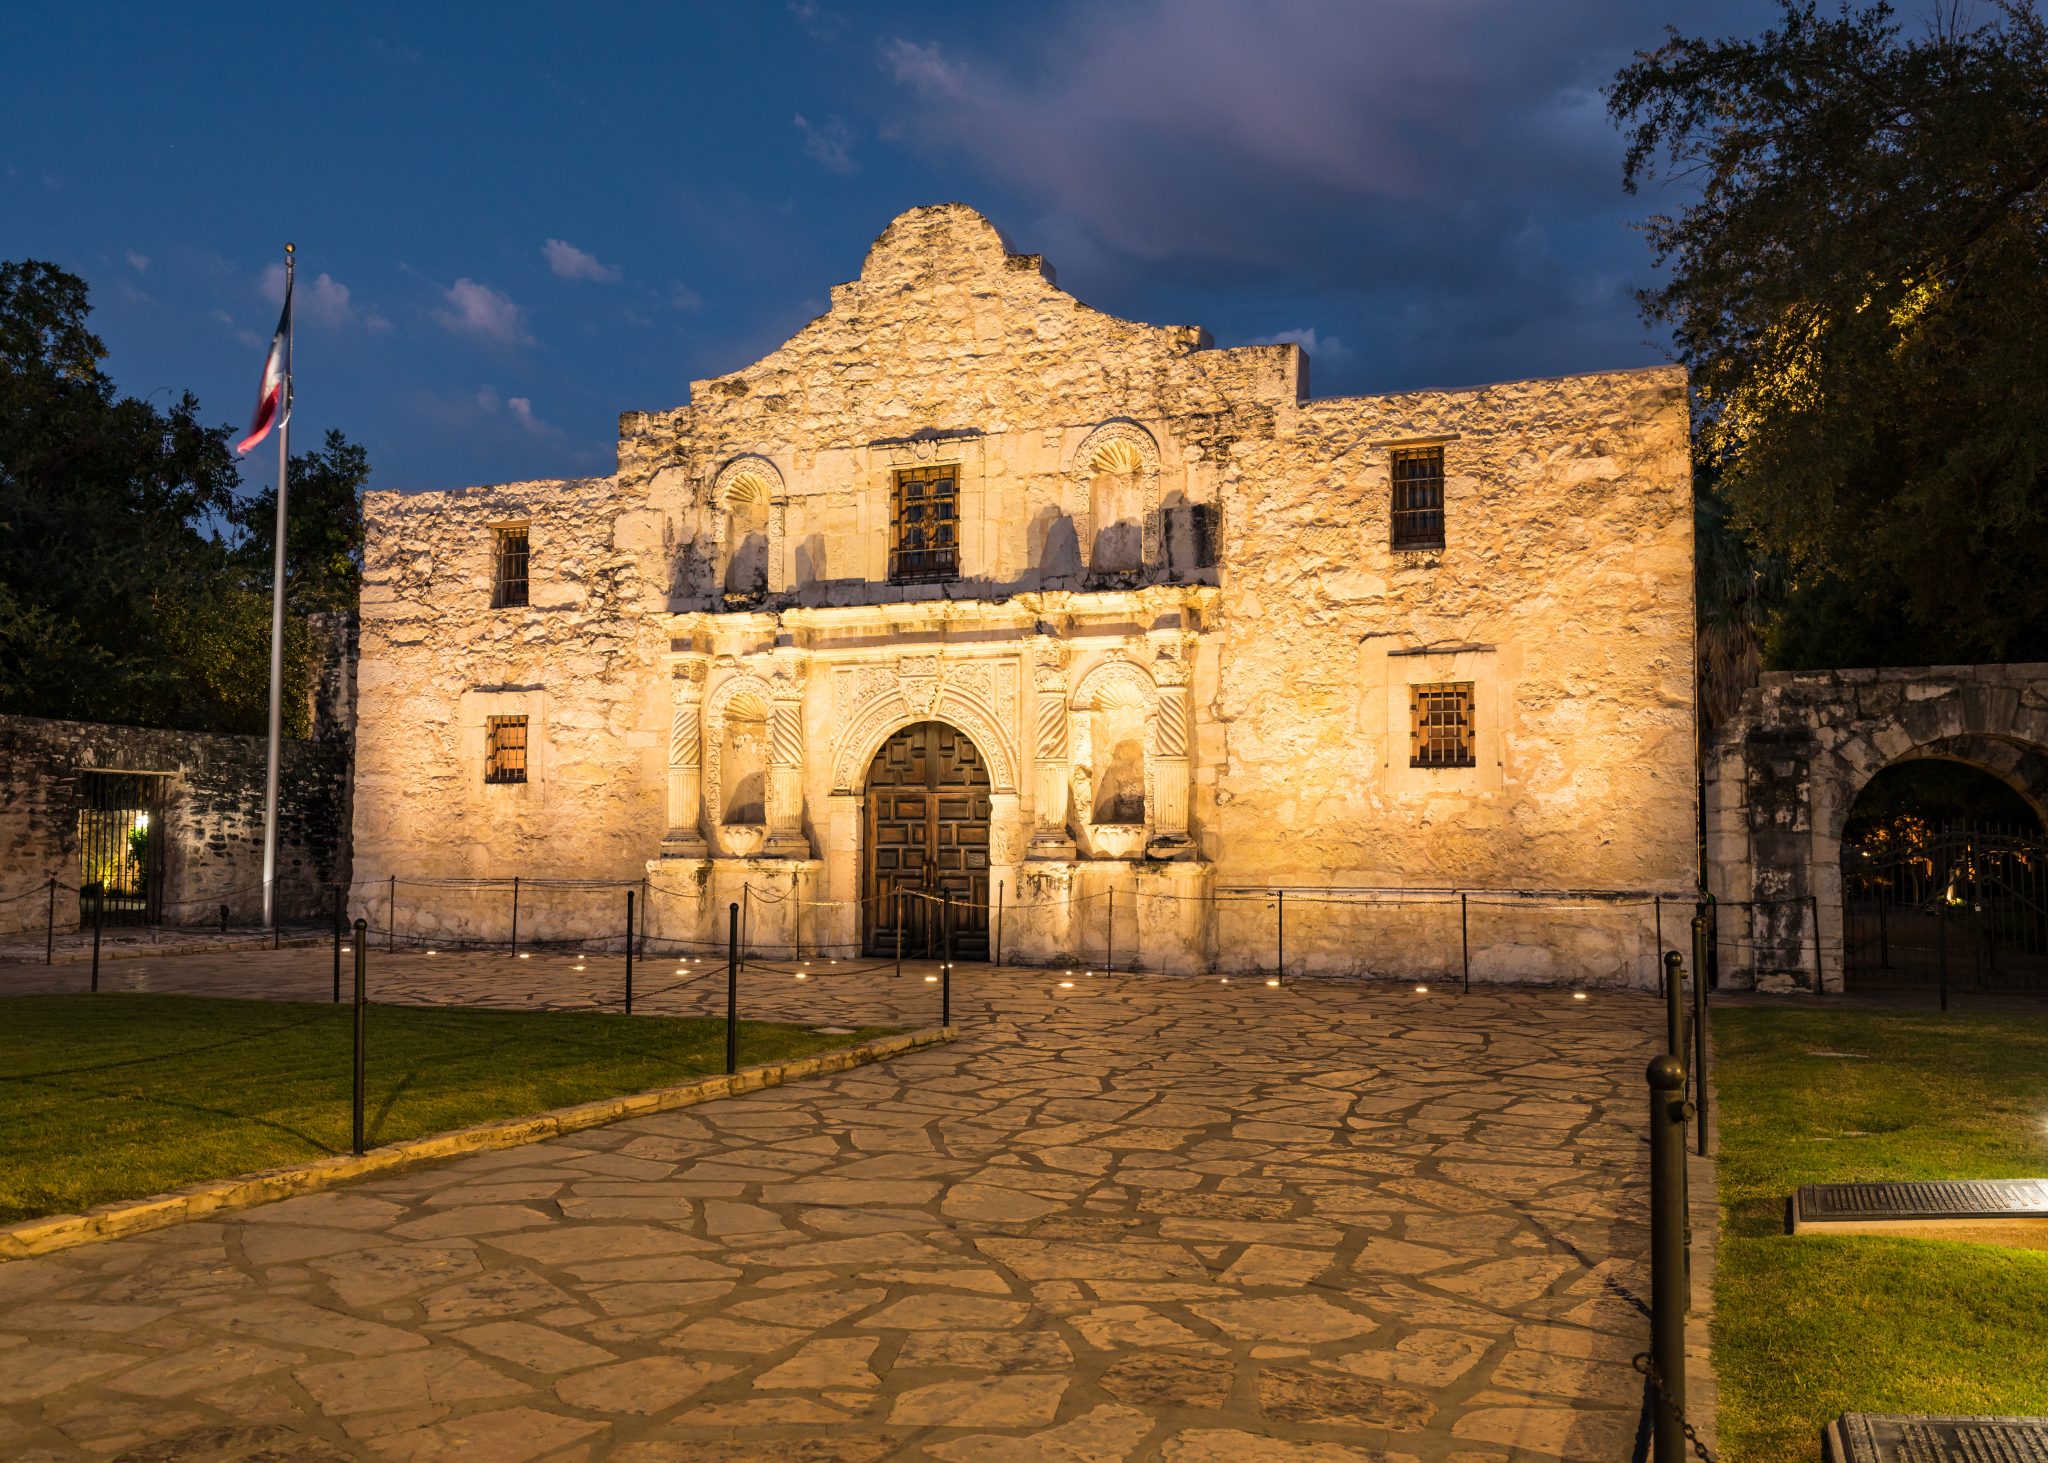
point(212, 805)
point(1178, 637)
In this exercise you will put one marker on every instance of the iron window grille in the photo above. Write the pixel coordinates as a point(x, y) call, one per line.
point(925, 524)
point(509, 588)
point(1440, 725)
point(505, 749)
point(1418, 516)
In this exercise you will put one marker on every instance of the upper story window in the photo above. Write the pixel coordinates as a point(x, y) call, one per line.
point(508, 588)
point(505, 749)
point(924, 524)
point(1440, 725)
point(1418, 507)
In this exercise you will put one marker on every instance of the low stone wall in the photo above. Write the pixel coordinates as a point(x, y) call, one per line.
point(212, 833)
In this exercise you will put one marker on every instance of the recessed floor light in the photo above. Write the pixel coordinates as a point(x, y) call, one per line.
point(1578, 995)
point(1422, 990)
point(803, 975)
point(523, 955)
point(1273, 981)
point(930, 979)
point(1066, 985)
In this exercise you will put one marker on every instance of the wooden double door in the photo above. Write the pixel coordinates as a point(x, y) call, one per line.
point(925, 837)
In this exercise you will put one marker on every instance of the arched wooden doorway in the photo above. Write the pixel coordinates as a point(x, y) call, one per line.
point(924, 832)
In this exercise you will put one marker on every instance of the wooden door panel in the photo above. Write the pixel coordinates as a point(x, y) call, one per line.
point(925, 821)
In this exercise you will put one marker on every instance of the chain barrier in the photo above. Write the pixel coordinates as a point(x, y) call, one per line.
point(1646, 1366)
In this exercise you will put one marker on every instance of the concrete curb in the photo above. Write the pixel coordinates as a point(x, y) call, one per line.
point(56, 1232)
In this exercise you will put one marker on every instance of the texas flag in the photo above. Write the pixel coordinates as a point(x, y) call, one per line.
point(275, 400)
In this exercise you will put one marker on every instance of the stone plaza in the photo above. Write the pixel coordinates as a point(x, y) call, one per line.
point(1126, 1218)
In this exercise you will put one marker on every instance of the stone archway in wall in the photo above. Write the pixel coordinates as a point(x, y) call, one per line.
point(925, 816)
point(1784, 772)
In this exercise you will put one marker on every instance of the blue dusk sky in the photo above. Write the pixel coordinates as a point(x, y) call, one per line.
point(516, 220)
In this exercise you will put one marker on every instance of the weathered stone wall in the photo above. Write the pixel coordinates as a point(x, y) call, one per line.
point(213, 830)
point(1784, 771)
point(1173, 568)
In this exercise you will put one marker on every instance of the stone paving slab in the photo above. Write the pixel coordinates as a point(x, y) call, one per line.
point(1137, 1218)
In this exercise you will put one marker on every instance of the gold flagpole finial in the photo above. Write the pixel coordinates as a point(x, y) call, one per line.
point(290, 248)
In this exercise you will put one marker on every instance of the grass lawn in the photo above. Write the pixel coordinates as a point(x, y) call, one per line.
point(1806, 1328)
point(116, 1096)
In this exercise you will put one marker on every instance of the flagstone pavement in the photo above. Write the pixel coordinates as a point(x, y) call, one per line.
point(1137, 1218)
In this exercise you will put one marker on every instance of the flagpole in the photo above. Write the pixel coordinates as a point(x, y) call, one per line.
point(284, 437)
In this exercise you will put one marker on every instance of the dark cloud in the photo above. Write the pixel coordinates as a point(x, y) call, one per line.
point(1410, 167)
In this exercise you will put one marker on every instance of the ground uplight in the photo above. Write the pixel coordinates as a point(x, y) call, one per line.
point(1578, 995)
point(1422, 990)
point(1274, 981)
point(931, 979)
point(1066, 985)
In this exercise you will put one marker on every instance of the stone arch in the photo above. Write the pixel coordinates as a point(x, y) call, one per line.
point(1114, 713)
point(1117, 463)
point(749, 489)
point(754, 699)
point(883, 715)
point(1784, 772)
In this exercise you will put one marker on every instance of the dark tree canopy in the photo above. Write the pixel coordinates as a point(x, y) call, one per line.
point(129, 587)
point(1861, 294)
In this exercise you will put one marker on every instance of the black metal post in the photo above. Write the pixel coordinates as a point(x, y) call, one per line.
point(337, 944)
point(50, 929)
point(99, 908)
point(362, 1004)
point(629, 952)
point(946, 969)
point(1699, 1022)
point(1280, 934)
point(1674, 1008)
point(515, 916)
point(1465, 938)
point(223, 919)
point(391, 918)
point(732, 990)
point(999, 924)
point(1668, 1284)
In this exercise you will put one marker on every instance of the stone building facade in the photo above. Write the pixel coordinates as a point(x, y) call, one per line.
point(972, 589)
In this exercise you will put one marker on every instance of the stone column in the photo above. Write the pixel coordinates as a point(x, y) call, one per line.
point(1170, 757)
point(786, 766)
point(1049, 837)
point(685, 838)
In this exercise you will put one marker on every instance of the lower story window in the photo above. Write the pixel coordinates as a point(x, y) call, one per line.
point(505, 749)
point(1440, 725)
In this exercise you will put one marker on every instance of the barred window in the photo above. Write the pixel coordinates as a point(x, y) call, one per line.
point(505, 749)
point(509, 588)
point(1440, 725)
point(1418, 509)
point(925, 524)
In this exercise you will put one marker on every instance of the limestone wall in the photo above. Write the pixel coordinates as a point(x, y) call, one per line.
point(212, 839)
point(1177, 636)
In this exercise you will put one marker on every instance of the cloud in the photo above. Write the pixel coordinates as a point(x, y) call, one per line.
point(1325, 348)
point(818, 23)
point(478, 310)
point(519, 408)
point(570, 262)
point(683, 298)
point(924, 69)
point(323, 298)
point(830, 144)
point(240, 332)
point(138, 262)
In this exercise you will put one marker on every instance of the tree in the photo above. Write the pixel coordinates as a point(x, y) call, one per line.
point(129, 590)
point(1861, 293)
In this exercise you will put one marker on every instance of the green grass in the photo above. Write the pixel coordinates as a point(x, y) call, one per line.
point(116, 1096)
point(1806, 1328)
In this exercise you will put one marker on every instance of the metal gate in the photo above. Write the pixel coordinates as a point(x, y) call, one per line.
point(120, 846)
point(1966, 907)
point(925, 825)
